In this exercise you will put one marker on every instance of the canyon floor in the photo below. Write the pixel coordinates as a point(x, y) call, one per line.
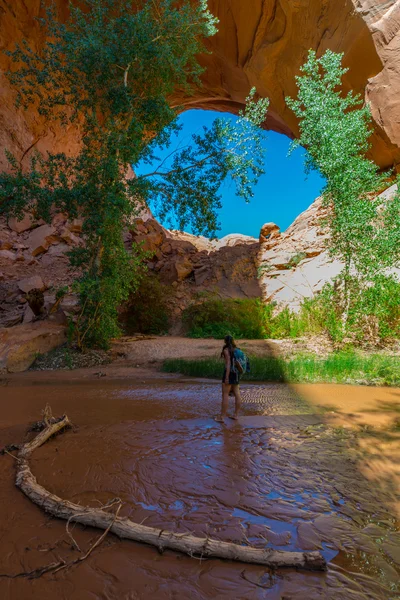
point(305, 467)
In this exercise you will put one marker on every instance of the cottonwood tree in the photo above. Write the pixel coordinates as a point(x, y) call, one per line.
point(109, 70)
point(335, 128)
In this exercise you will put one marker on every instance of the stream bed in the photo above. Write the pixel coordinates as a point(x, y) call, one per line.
point(284, 476)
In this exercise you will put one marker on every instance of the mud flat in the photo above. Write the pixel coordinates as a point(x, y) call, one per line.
point(306, 467)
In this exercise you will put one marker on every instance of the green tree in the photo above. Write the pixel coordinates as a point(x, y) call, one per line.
point(336, 129)
point(109, 70)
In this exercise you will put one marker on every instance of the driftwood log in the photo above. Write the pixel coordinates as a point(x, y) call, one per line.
point(160, 538)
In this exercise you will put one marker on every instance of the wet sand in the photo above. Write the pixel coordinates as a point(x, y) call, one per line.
point(306, 467)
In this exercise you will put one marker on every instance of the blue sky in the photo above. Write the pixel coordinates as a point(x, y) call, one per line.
point(281, 194)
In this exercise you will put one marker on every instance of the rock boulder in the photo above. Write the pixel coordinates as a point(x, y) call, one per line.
point(20, 345)
point(21, 225)
point(31, 283)
point(41, 239)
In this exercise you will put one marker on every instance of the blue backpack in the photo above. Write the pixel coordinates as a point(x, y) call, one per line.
point(241, 363)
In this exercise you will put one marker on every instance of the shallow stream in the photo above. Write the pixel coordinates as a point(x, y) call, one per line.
point(282, 477)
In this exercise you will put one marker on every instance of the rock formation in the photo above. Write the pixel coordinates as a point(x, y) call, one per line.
point(295, 265)
point(192, 264)
point(20, 345)
point(34, 265)
point(262, 45)
point(283, 268)
point(33, 261)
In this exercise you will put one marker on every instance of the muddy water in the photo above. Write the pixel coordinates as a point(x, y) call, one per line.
point(282, 477)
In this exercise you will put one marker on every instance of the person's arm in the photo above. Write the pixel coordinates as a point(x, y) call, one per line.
point(227, 357)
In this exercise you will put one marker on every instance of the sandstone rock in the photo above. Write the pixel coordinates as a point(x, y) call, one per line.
point(75, 225)
point(6, 245)
point(30, 259)
point(202, 274)
point(31, 283)
point(140, 227)
point(6, 255)
point(19, 226)
point(9, 318)
point(276, 259)
point(58, 317)
point(70, 303)
point(20, 345)
point(59, 219)
point(6, 241)
point(29, 315)
point(41, 239)
point(49, 301)
point(55, 251)
point(150, 242)
point(70, 238)
point(166, 248)
point(235, 239)
point(183, 267)
point(127, 237)
point(269, 231)
point(262, 45)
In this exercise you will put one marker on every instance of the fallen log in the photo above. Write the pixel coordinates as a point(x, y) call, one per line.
point(160, 538)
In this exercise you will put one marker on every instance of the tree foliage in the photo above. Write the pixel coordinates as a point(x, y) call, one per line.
point(109, 71)
point(335, 128)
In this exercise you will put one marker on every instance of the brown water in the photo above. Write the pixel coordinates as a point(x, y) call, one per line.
point(285, 476)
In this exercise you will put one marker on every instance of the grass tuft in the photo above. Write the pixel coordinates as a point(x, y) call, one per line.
point(340, 367)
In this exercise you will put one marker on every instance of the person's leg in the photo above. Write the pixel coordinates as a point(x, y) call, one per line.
point(225, 401)
point(238, 400)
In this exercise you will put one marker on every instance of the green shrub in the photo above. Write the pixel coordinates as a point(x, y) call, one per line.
point(368, 315)
point(216, 317)
point(296, 259)
point(288, 324)
point(251, 318)
point(371, 314)
point(147, 310)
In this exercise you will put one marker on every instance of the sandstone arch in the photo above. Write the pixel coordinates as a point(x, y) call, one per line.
point(260, 42)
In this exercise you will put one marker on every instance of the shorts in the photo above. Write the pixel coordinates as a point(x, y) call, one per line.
point(234, 378)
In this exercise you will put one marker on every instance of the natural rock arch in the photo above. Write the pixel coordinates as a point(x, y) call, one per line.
point(261, 43)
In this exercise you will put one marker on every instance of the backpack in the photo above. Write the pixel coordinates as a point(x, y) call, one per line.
point(240, 363)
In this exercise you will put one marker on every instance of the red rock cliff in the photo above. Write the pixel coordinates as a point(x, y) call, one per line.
point(261, 43)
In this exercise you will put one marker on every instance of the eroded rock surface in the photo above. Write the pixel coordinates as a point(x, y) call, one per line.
point(190, 264)
point(36, 260)
point(296, 264)
point(261, 44)
point(19, 346)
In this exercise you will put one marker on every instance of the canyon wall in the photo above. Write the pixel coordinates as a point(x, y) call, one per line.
point(260, 43)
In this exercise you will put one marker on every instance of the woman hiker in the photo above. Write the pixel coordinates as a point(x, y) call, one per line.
point(230, 380)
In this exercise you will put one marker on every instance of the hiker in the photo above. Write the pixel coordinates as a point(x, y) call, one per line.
point(230, 380)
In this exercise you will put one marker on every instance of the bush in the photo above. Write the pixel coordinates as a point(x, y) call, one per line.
point(147, 310)
point(287, 324)
point(216, 317)
point(372, 313)
point(250, 318)
point(370, 316)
